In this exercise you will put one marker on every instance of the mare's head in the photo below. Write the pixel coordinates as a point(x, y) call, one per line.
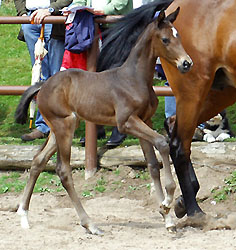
point(166, 42)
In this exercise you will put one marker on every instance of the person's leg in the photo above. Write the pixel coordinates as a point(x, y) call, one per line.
point(31, 35)
point(56, 51)
point(41, 125)
point(170, 105)
point(116, 138)
point(55, 55)
point(45, 62)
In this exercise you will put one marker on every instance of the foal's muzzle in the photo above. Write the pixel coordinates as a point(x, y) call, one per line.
point(185, 65)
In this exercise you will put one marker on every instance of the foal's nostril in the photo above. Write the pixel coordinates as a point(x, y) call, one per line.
point(186, 64)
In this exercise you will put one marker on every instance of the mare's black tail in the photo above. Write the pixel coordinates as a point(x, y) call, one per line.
point(21, 113)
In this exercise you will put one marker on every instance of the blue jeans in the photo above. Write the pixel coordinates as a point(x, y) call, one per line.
point(55, 54)
point(51, 62)
point(170, 105)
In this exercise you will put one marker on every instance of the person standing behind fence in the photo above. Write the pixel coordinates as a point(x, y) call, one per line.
point(54, 36)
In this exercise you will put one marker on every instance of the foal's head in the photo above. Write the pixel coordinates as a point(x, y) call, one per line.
point(166, 42)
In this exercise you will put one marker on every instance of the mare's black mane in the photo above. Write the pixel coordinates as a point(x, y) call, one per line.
point(122, 36)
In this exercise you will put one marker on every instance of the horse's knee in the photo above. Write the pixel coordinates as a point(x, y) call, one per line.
point(162, 146)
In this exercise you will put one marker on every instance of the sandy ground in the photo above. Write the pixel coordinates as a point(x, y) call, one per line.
point(128, 218)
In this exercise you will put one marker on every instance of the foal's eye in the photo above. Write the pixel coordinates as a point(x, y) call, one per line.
point(166, 41)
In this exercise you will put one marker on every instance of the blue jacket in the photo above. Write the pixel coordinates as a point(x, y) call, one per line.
point(80, 33)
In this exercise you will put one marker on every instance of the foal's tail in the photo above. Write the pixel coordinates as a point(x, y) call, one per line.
point(21, 113)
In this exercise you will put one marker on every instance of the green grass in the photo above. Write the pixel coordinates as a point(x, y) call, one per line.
point(14, 182)
point(15, 69)
point(229, 188)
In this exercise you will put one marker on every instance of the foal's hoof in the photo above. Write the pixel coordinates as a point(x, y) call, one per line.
point(172, 229)
point(180, 209)
point(92, 229)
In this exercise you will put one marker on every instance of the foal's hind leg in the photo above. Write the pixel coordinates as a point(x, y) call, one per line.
point(164, 203)
point(37, 167)
point(64, 131)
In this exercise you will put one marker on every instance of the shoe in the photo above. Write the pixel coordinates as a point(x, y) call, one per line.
point(100, 135)
point(35, 134)
point(116, 138)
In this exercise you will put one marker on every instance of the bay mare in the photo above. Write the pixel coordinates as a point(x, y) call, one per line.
point(207, 30)
point(121, 97)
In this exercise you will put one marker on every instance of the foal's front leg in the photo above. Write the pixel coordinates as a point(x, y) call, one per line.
point(164, 203)
point(148, 137)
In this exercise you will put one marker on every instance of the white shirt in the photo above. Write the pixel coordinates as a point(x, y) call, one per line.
point(137, 3)
point(37, 4)
point(99, 4)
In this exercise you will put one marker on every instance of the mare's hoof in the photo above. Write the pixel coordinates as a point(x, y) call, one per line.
point(180, 209)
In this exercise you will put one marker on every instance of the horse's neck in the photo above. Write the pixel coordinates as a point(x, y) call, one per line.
point(142, 60)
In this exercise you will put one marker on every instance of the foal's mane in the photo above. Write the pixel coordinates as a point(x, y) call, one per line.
point(122, 36)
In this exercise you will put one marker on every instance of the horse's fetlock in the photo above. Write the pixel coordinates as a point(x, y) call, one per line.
point(154, 170)
point(170, 187)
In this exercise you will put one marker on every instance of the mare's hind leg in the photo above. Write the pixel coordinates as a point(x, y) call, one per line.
point(164, 203)
point(64, 131)
point(37, 167)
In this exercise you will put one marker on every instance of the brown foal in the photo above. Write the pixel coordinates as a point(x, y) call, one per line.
point(121, 97)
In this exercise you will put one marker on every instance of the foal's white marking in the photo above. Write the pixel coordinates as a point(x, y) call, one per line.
point(24, 217)
point(175, 32)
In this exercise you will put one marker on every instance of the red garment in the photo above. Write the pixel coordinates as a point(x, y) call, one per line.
point(74, 60)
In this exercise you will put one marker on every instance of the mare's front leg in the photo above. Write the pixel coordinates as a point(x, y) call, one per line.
point(38, 164)
point(180, 209)
point(186, 122)
point(215, 102)
point(164, 203)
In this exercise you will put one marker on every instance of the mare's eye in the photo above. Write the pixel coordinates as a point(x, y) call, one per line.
point(166, 41)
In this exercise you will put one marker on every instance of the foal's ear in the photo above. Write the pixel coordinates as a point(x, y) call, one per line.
point(173, 15)
point(161, 16)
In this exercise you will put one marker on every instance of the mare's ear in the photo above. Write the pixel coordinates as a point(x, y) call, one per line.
point(160, 18)
point(173, 15)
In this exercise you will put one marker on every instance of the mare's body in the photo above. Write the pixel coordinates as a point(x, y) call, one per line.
point(207, 30)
